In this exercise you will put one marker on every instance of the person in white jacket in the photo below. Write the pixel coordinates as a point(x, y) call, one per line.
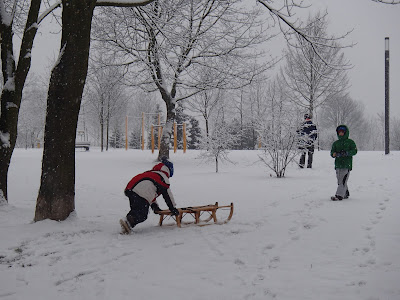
point(142, 191)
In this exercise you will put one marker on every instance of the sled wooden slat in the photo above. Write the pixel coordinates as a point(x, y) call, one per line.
point(196, 212)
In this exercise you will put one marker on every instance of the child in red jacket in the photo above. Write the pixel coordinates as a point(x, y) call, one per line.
point(142, 191)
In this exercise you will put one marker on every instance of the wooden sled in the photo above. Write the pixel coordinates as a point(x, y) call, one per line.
point(196, 212)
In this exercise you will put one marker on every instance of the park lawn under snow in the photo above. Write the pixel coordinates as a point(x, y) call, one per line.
point(286, 239)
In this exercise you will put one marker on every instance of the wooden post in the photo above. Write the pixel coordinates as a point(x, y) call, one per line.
point(142, 130)
point(152, 139)
point(126, 133)
point(175, 137)
point(184, 137)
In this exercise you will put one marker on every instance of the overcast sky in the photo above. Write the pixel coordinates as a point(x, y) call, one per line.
point(371, 23)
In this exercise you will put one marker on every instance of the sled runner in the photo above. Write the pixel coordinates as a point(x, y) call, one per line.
point(195, 212)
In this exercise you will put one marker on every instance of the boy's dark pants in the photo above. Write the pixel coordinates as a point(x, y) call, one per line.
point(310, 151)
point(139, 209)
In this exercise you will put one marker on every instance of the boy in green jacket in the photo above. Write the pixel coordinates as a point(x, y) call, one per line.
point(343, 151)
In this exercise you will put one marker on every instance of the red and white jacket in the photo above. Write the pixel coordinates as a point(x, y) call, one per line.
point(151, 184)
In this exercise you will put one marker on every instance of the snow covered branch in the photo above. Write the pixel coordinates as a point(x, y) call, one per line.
point(48, 11)
point(387, 1)
point(314, 42)
point(123, 3)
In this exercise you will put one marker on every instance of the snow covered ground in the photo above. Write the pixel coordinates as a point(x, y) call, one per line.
point(286, 239)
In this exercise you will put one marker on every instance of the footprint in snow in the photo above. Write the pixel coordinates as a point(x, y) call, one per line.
point(365, 250)
point(295, 238)
point(267, 248)
point(239, 262)
point(258, 279)
point(359, 283)
point(274, 262)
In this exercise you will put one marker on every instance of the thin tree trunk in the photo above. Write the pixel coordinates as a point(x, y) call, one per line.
point(167, 131)
point(102, 128)
point(14, 81)
point(56, 199)
point(107, 128)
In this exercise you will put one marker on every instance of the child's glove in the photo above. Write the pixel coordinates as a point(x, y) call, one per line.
point(174, 211)
point(155, 207)
point(343, 153)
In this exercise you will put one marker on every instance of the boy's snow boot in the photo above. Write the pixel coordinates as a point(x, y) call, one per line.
point(347, 195)
point(336, 198)
point(126, 228)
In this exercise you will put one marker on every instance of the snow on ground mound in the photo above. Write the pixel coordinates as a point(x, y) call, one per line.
point(286, 239)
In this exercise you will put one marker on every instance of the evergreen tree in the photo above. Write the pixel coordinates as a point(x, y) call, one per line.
point(135, 140)
point(117, 139)
point(194, 136)
point(180, 118)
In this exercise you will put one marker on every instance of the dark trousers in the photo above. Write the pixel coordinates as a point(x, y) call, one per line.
point(310, 153)
point(139, 209)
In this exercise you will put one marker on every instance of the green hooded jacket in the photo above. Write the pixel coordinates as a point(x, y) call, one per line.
point(344, 144)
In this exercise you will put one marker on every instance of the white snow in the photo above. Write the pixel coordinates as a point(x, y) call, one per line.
point(121, 2)
point(10, 83)
point(286, 239)
point(5, 139)
point(5, 17)
point(11, 105)
point(60, 55)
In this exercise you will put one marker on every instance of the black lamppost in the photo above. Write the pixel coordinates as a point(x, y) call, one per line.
point(387, 96)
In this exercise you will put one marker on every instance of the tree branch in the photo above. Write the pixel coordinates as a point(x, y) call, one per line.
point(393, 2)
point(123, 3)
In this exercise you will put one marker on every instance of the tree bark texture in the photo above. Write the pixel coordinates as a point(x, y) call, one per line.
point(167, 130)
point(14, 81)
point(56, 199)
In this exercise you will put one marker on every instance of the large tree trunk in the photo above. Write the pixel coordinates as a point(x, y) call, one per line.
point(14, 81)
point(102, 128)
point(9, 113)
point(167, 130)
point(56, 199)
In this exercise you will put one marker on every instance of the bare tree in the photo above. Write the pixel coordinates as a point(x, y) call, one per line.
point(106, 97)
point(32, 113)
point(56, 198)
point(176, 41)
point(342, 109)
point(205, 103)
point(313, 81)
point(217, 145)
point(14, 75)
point(395, 132)
point(277, 130)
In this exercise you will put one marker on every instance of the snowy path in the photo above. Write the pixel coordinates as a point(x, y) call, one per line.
point(286, 240)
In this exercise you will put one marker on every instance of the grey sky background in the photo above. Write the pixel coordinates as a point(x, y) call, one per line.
point(371, 23)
